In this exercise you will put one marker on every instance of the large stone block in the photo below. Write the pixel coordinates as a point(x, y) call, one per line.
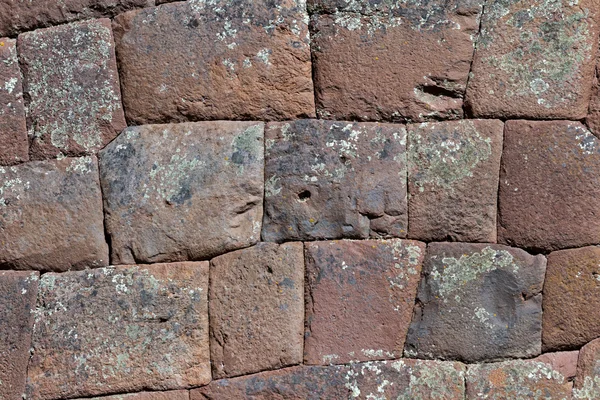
point(331, 180)
point(51, 216)
point(183, 192)
point(118, 330)
point(215, 60)
point(587, 382)
point(477, 302)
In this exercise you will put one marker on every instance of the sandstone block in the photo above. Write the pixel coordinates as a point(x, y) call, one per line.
point(183, 192)
point(564, 362)
point(587, 382)
point(170, 395)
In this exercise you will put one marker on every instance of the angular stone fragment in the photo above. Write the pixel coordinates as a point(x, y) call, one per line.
point(374, 62)
point(18, 292)
point(117, 330)
point(51, 216)
point(170, 395)
point(534, 59)
point(13, 132)
point(453, 180)
point(215, 60)
point(564, 362)
point(359, 299)
point(257, 309)
point(477, 302)
point(330, 180)
point(549, 186)
point(587, 382)
point(183, 192)
point(72, 83)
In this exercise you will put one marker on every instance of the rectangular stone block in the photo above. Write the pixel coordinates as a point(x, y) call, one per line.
point(199, 60)
point(170, 395)
point(185, 191)
point(51, 216)
point(332, 180)
point(453, 172)
point(119, 330)
point(587, 381)
point(257, 309)
point(72, 83)
point(359, 299)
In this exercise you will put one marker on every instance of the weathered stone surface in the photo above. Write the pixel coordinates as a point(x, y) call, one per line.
point(516, 379)
point(257, 309)
point(453, 180)
point(18, 292)
point(116, 330)
point(477, 302)
point(215, 60)
point(564, 362)
point(587, 382)
point(72, 83)
point(330, 180)
point(549, 186)
point(13, 131)
point(534, 59)
point(593, 118)
point(183, 192)
point(51, 216)
point(359, 299)
point(373, 61)
point(170, 395)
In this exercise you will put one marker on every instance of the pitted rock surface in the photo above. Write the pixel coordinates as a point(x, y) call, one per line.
point(453, 172)
point(190, 191)
point(215, 60)
point(477, 302)
point(257, 309)
point(124, 329)
point(359, 299)
point(170, 395)
point(564, 362)
point(72, 83)
point(587, 382)
point(51, 216)
point(331, 180)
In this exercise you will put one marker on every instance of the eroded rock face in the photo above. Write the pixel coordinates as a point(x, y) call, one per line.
point(115, 330)
point(184, 191)
point(257, 309)
point(453, 180)
point(359, 299)
point(587, 382)
point(330, 180)
point(550, 169)
point(477, 302)
point(51, 216)
point(215, 60)
point(564, 362)
point(541, 55)
point(70, 76)
point(170, 395)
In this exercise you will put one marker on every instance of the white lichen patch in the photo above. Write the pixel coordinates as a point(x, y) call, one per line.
point(81, 165)
point(330, 358)
point(587, 142)
point(590, 390)
point(166, 180)
point(483, 317)
point(272, 186)
point(263, 55)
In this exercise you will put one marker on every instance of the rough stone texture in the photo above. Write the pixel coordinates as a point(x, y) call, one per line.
point(359, 299)
point(13, 130)
point(51, 216)
point(593, 118)
point(215, 60)
point(477, 302)
point(550, 169)
point(18, 291)
point(72, 84)
point(373, 60)
point(564, 362)
point(516, 379)
point(587, 382)
point(453, 180)
point(125, 329)
point(257, 309)
point(534, 59)
point(183, 192)
point(330, 180)
point(171, 395)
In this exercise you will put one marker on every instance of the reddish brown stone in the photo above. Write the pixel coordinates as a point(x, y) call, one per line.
point(256, 309)
point(376, 63)
point(184, 191)
point(453, 180)
point(564, 362)
point(116, 330)
point(534, 59)
point(587, 382)
point(18, 291)
point(593, 118)
point(215, 60)
point(51, 216)
point(71, 80)
point(477, 302)
point(549, 186)
point(330, 180)
point(171, 395)
point(13, 132)
point(359, 299)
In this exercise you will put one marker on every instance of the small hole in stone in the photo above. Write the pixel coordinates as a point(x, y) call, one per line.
point(304, 195)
